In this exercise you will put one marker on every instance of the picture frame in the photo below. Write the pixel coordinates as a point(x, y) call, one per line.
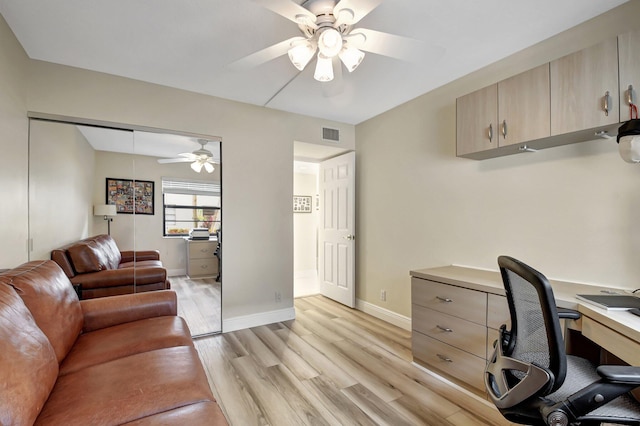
point(302, 204)
point(130, 196)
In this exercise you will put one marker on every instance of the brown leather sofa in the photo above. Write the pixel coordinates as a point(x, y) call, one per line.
point(110, 361)
point(97, 268)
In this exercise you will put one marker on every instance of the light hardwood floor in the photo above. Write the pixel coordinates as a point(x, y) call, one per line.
point(331, 365)
point(199, 303)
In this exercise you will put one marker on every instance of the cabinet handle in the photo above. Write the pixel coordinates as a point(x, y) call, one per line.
point(445, 329)
point(444, 299)
point(630, 95)
point(607, 102)
point(490, 132)
point(504, 129)
point(444, 358)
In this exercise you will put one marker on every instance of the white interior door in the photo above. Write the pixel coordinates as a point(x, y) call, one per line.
point(337, 229)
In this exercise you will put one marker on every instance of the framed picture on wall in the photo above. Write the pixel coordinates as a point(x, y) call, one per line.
point(301, 204)
point(130, 196)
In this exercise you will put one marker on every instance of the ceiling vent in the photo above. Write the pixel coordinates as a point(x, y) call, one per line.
point(332, 135)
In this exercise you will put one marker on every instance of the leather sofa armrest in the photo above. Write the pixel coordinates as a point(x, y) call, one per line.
point(113, 310)
point(128, 255)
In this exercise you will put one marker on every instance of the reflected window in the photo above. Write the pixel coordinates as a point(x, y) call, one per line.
point(189, 204)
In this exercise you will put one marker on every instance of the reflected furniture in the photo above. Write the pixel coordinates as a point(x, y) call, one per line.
point(97, 268)
point(532, 380)
point(116, 360)
point(202, 258)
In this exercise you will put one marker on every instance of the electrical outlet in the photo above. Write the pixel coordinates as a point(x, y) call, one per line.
point(278, 297)
point(383, 295)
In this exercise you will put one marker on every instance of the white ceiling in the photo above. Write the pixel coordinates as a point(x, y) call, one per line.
point(189, 45)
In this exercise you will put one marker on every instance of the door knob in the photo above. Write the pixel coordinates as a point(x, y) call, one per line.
point(350, 237)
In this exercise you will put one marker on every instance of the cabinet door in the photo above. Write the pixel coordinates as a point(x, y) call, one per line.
point(476, 121)
point(524, 107)
point(628, 48)
point(579, 83)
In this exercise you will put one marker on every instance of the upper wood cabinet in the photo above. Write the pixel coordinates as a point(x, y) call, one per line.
point(524, 107)
point(477, 119)
point(628, 49)
point(584, 89)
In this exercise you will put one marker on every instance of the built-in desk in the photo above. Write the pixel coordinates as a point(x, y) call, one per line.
point(448, 302)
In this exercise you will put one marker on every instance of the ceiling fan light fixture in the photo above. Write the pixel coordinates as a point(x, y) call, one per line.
point(208, 167)
point(351, 57)
point(196, 166)
point(301, 54)
point(330, 42)
point(324, 68)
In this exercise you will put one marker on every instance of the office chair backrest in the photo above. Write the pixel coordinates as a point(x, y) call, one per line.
point(535, 335)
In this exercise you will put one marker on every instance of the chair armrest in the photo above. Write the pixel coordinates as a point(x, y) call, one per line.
point(564, 313)
point(129, 255)
point(113, 310)
point(620, 374)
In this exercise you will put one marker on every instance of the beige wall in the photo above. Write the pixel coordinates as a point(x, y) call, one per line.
point(13, 143)
point(61, 169)
point(571, 211)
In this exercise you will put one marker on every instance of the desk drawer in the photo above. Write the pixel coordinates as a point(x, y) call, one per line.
point(202, 267)
point(457, 332)
point(621, 346)
point(202, 250)
point(457, 301)
point(458, 364)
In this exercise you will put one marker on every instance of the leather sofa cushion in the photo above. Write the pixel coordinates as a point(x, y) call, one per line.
point(28, 364)
point(203, 413)
point(128, 389)
point(121, 277)
point(49, 296)
point(87, 257)
point(123, 340)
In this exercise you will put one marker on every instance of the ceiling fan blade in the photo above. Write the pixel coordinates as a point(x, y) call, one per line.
point(394, 46)
point(289, 10)
point(174, 160)
point(353, 10)
point(264, 55)
point(335, 86)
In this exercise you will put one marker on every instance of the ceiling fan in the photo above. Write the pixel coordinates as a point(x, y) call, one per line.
point(330, 34)
point(199, 158)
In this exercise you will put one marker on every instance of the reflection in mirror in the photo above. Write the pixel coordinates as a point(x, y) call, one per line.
point(69, 169)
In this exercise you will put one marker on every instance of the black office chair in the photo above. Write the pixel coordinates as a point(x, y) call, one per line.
point(531, 379)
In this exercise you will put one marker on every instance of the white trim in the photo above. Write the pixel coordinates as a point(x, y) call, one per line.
point(384, 314)
point(255, 320)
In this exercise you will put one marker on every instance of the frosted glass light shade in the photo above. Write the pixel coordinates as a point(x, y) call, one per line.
point(208, 167)
point(301, 54)
point(324, 69)
point(196, 166)
point(351, 57)
point(105, 210)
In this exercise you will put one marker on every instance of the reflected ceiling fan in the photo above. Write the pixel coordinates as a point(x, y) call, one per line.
point(331, 35)
point(199, 158)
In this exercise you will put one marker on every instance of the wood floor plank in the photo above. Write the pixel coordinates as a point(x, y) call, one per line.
point(368, 402)
point(332, 365)
point(292, 360)
point(267, 394)
point(316, 359)
point(379, 387)
point(341, 407)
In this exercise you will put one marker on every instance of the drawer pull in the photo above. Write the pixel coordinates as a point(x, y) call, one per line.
point(444, 299)
point(444, 358)
point(204, 266)
point(446, 329)
point(204, 250)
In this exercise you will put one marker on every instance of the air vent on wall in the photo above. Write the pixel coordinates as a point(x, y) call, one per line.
point(332, 135)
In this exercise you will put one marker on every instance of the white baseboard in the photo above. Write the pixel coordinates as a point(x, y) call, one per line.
point(176, 272)
point(255, 320)
point(384, 314)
